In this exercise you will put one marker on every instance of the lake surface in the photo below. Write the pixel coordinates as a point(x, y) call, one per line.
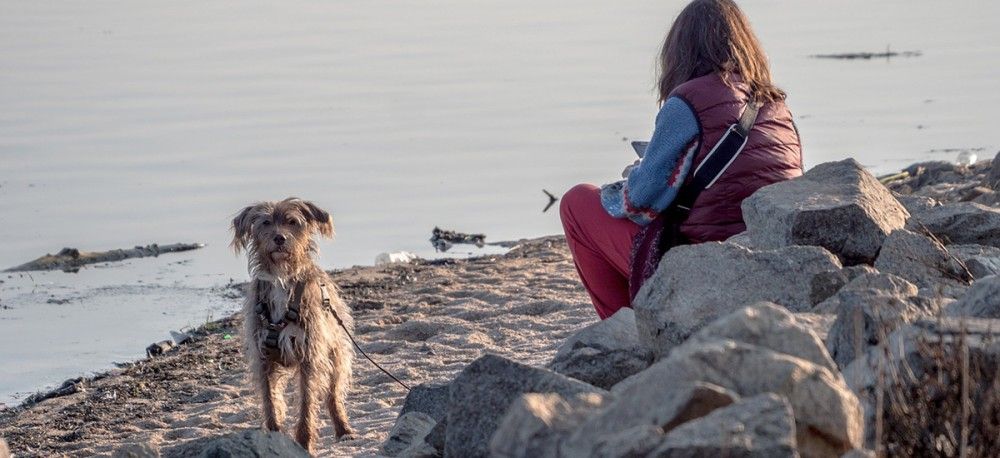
point(134, 122)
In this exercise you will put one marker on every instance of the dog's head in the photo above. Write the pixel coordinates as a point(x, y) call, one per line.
point(278, 236)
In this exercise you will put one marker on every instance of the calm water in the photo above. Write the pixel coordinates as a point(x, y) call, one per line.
point(134, 122)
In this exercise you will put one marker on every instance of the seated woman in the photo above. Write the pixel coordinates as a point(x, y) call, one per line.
point(711, 66)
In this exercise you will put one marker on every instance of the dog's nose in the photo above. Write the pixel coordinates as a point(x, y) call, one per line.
point(279, 239)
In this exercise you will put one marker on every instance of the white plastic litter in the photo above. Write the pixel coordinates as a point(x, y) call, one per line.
point(966, 158)
point(394, 258)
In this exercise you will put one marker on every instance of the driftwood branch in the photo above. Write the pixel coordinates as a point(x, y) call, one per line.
point(71, 259)
point(444, 239)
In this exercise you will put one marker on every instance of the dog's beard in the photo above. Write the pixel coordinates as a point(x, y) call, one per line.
point(278, 261)
point(280, 256)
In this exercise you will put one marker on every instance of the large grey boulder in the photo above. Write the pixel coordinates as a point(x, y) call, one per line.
point(960, 223)
point(827, 414)
point(920, 371)
point(604, 353)
point(981, 301)
point(981, 260)
point(410, 429)
point(429, 398)
point(835, 205)
point(770, 326)
point(696, 284)
point(250, 442)
point(758, 427)
point(867, 314)
point(481, 394)
point(664, 406)
point(537, 423)
point(923, 261)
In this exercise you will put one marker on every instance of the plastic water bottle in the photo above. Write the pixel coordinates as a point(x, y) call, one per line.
point(394, 258)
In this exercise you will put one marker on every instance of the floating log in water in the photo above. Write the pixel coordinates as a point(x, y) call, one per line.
point(71, 259)
point(443, 239)
point(868, 55)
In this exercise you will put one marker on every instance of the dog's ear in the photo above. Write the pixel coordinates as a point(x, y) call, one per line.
point(241, 226)
point(321, 218)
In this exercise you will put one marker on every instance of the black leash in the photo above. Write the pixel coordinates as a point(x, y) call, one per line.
point(329, 306)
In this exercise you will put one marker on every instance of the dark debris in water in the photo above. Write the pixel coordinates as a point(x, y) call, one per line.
point(443, 239)
point(71, 259)
point(887, 54)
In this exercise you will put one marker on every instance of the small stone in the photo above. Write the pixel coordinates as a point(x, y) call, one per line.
point(159, 348)
point(410, 428)
point(826, 284)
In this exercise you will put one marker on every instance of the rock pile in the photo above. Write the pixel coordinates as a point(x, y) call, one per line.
point(767, 345)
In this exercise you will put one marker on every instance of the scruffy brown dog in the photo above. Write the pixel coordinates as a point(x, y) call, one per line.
point(291, 315)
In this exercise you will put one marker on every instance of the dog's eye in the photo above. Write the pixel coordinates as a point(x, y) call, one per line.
point(266, 222)
point(293, 222)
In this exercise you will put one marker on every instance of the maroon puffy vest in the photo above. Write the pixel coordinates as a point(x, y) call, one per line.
point(773, 153)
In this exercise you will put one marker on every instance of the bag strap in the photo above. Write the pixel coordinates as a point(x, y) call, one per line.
point(718, 160)
point(748, 118)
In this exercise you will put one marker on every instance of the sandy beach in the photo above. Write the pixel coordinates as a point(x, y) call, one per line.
point(423, 321)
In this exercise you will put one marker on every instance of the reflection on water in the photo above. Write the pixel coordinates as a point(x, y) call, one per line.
point(134, 122)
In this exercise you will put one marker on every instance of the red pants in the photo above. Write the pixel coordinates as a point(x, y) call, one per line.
point(601, 247)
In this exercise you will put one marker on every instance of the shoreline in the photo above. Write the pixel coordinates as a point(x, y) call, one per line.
point(424, 321)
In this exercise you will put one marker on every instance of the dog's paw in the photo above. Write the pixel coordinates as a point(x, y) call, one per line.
point(347, 435)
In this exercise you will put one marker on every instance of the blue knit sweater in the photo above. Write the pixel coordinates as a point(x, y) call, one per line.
point(653, 184)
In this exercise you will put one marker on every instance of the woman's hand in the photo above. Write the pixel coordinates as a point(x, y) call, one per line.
point(628, 169)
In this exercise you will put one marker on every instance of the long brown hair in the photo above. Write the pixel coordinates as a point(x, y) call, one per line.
point(714, 36)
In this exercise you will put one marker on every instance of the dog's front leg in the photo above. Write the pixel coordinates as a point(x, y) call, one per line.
point(272, 380)
point(335, 404)
point(306, 430)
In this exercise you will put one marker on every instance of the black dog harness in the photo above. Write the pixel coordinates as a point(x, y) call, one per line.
point(263, 310)
point(292, 314)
